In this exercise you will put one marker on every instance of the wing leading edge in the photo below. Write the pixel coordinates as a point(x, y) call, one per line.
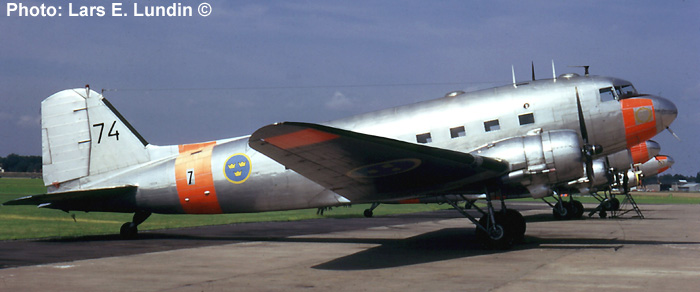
point(364, 167)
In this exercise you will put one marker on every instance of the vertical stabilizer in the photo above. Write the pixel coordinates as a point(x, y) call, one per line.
point(83, 135)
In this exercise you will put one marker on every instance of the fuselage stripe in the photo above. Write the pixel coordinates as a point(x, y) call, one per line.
point(194, 179)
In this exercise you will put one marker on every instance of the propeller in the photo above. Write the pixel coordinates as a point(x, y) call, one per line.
point(674, 134)
point(588, 150)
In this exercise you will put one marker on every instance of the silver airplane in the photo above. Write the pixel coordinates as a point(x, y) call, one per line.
point(627, 179)
point(606, 172)
point(533, 138)
point(650, 168)
point(610, 172)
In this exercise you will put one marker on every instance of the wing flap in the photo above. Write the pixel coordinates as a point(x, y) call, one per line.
point(365, 167)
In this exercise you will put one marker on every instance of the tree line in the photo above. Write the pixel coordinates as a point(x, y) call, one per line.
point(19, 163)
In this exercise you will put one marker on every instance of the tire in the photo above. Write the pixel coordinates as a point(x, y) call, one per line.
point(578, 206)
point(506, 238)
point(128, 232)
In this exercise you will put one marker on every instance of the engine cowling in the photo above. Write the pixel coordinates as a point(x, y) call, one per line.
point(539, 161)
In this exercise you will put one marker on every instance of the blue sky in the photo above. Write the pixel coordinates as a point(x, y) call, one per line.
point(251, 63)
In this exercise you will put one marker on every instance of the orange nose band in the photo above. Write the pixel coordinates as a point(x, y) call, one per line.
point(640, 153)
point(640, 120)
point(661, 160)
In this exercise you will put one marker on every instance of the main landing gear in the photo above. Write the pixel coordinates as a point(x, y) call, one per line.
point(607, 204)
point(129, 230)
point(565, 210)
point(496, 229)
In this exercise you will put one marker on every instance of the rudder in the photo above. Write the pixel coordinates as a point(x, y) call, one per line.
point(83, 135)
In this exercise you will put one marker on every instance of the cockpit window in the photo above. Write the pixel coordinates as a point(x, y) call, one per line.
point(606, 94)
point(625, 90)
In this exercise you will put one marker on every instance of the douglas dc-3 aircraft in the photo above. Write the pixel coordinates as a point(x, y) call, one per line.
point(535, 138)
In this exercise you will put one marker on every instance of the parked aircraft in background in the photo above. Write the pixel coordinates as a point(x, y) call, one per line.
point(536, 138)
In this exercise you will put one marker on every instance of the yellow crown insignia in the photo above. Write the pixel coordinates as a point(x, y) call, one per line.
point(237, 173)
point(232, 166)
point(241, 164)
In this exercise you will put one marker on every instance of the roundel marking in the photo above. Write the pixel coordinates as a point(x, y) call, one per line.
point(643, 115)
point(237, 168)
point(386, 168)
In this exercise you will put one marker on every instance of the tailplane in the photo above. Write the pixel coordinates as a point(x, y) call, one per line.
point(82, 134)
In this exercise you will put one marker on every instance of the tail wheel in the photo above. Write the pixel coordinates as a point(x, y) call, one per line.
point(128, 231)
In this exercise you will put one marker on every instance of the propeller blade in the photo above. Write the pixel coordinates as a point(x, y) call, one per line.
point(581, 122)
point(533, 70)
point(674, 134)
point(589, 169)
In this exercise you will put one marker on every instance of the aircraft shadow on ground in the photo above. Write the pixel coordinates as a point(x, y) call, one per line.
point(455, 243)
point(439, 245)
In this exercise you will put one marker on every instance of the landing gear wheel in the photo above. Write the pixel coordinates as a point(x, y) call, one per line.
point(516, 222)
point(499, 236)
point(603, 214)
point(368, 213)
point(128, 231)
point(614, 204)
point(578, 206)
point(562, 211)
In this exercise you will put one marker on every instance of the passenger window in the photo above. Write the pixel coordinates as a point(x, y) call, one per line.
point(457, 132)
point(526, 119)
point(492, 125)
point(424, 138)
point(606, 94)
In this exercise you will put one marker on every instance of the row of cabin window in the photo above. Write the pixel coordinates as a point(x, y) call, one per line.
point(492, 125)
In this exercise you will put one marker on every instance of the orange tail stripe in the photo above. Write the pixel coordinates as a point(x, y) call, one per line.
point(194, 180)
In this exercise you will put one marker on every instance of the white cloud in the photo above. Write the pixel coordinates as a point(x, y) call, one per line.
point(29, 121)
point(339, 102)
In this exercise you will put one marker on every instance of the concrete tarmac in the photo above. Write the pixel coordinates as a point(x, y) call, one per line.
point(421, 252)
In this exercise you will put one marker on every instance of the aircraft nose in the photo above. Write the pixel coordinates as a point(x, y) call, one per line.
point(669, 161)
point(665, 111)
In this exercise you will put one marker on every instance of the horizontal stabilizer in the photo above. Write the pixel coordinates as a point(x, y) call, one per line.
point(114, 199)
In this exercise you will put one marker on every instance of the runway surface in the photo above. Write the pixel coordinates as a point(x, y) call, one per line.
point(417, 252)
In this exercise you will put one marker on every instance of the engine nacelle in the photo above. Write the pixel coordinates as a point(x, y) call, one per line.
point(539, 161)
point(620, 160)
point(601, 173)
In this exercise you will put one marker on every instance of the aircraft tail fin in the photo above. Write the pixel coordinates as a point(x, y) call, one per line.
point(82, 134)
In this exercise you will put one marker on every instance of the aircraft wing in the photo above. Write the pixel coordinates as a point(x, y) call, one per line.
point(363, 167)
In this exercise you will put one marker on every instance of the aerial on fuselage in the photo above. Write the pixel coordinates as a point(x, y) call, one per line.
point(536, 139)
